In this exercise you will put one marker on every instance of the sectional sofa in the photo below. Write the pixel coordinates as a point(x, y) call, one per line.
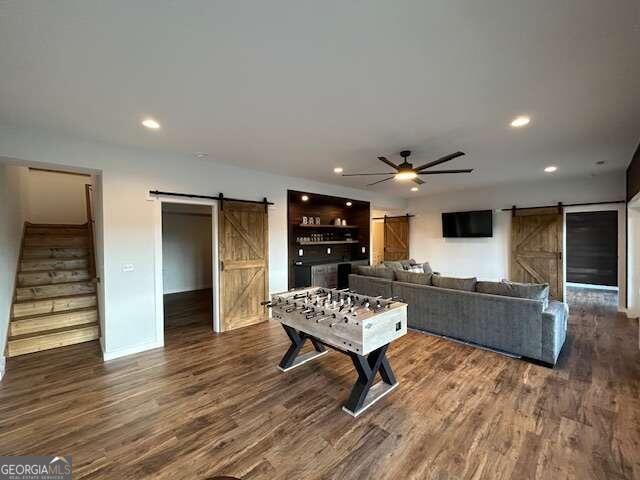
point(496, 315)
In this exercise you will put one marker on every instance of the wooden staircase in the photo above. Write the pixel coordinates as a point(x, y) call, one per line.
point(55, 301)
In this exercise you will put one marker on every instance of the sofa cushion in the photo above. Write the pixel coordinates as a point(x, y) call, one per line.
point(532, 291)
point(394, 265)
point(382, 272)
point(364, 270)
point(414, 277)
point(466, 284)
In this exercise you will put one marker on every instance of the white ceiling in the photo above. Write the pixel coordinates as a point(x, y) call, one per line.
point(299, 87)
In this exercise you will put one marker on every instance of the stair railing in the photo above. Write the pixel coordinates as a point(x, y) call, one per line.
point(88, 190)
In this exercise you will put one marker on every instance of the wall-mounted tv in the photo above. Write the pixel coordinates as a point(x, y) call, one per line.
point(467, 224)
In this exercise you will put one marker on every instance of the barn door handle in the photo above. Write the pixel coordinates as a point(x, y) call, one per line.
point(222, 265)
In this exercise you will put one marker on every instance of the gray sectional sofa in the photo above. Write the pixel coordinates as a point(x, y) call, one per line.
point(531, 328)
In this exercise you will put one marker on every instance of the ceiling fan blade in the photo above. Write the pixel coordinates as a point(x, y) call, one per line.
point(439, 172)
point(388, 162)
point(361, 174)
point(418, 181)
point(379, 181)
point(446, 158)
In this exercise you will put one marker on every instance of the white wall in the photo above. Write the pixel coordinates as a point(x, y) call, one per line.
point(488, 258)
point(186, 251)
point(12, 212)
point(56, 197)
point(129, 222)
point(634, 257)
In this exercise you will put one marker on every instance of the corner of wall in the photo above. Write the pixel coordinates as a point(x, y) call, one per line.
point(3, 365)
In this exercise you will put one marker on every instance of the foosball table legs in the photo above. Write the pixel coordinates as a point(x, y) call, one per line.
point(291, 359)
point(364, 393)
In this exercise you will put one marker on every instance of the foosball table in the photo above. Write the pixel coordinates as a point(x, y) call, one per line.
point(356, 325)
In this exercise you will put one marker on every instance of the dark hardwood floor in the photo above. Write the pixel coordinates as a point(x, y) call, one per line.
point(188, 308)
point(209, 405)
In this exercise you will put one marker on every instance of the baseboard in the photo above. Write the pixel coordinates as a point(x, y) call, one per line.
point(3, 366)
point(123, 352)
point(190, 289)
point(592, 287)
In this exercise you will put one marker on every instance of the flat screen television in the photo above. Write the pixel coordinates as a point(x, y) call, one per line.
point(467, 224)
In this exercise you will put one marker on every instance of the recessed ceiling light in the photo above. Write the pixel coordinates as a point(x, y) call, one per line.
point(338, 170)
point(600, 162)
point(305, 198)
point(414, 189)
point(550, 169)
point(201, 154)
point(349, 204)
point(520, 121)
point(150, 123)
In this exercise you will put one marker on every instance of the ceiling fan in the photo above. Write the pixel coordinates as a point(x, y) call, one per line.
point(405, 170)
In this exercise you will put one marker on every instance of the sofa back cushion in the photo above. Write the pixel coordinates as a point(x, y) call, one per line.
point(532, 291)
point(394, 265)
point(382, 272)
point(413, 277)
point(466, 284)
point(371, 286)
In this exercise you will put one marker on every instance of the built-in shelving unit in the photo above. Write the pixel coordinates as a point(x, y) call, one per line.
point(328, 242)
point(308, 242)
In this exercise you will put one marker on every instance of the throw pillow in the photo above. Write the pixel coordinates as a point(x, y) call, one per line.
point(466, 284)
point(406, 264)
point(414, 277)
point(426, 268)
point(416, 269)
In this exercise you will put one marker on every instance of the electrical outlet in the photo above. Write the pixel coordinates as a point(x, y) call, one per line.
point(128, 267)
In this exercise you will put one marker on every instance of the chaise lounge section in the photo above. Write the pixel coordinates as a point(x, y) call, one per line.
point(531, 328)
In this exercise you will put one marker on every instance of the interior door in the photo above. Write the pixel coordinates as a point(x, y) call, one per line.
point(396, 238)
point(536, 248)
point(244, 263)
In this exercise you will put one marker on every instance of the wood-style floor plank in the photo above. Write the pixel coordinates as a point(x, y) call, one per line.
point(209, 405)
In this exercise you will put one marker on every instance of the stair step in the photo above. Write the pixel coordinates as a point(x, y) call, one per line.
point(52, 321)
point(50, 277)
point(54, 339)
point(43, 264)
point(54, 252)
point(51, 291)
point(52, 305)
point(61, 230)
point(56, 240)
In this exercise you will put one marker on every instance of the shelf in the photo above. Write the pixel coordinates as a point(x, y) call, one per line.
point(329, 242)
point(325, 226)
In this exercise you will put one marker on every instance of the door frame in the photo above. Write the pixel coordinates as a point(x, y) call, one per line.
point(622, 246)
point(158, 277)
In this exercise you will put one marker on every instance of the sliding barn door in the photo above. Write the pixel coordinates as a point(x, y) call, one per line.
point(396, 238)
point(536, 248)
point(244, 266)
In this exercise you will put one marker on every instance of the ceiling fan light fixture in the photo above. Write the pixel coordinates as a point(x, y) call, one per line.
point(406, 175)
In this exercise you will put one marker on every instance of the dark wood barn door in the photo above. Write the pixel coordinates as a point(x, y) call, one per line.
point(244, 263)
point(592, 247)
point(536, 248)
point(396, 238)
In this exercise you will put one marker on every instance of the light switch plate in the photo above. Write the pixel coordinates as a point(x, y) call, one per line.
point(128, 267)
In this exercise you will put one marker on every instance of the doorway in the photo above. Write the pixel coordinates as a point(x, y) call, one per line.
point(595, 270)
point(187, 265)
